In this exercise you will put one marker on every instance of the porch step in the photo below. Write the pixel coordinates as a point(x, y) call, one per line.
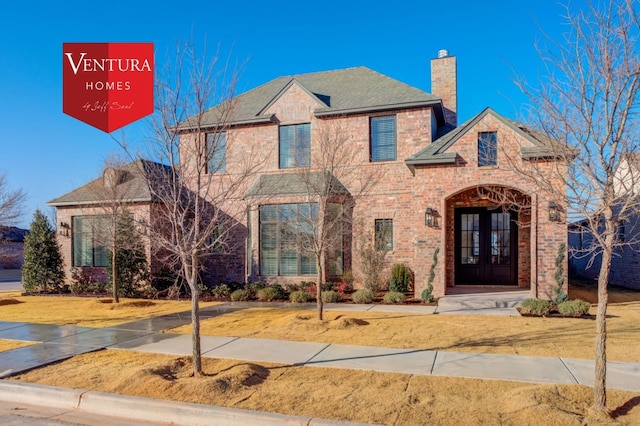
point(498, 303)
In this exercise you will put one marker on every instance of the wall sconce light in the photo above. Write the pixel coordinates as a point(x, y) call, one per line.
point(431, 218)
point(65, 229)
point(555, 212)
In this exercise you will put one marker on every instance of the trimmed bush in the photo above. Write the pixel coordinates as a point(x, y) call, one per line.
point(308, 286)
point(574, 308)
point(328, 286)
point(254, 287)
point(426, 295)
point(299, 296)
point(401, 278)
point(273, 292)
point(394, 298)
point(221, 291)
point(344, 287)
point(535, 307)
point(559, 295)
point(331, 297)
point(240, 295)
point(96, 288)
point(364, 295)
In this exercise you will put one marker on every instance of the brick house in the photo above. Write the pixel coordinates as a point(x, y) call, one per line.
point(438, 192)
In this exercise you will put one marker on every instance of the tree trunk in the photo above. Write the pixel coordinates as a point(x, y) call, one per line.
point(195, 335)
point(319, 304)
point(192, 279)
point(600, 381)
point(114, 274)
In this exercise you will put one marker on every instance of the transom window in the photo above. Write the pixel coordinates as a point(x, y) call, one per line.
point(216, 152)
point(295, 146)
point(89, 239)
point(487, 149)
point(285, 230)
point(383, 138)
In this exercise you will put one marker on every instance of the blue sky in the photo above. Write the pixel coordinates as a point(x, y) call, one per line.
point(48, 153)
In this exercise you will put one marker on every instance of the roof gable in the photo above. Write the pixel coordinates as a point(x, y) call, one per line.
point(293, 103)
point(291, 87)
point(439, 152)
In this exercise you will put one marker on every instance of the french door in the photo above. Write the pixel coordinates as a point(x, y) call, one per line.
point(486, 247)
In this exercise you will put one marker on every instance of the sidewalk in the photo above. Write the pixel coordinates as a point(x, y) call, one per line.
point(61, 342)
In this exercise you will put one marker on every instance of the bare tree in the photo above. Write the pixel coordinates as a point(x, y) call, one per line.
point(586, 110)
point(370, 252)
point(116, 192)
point(11, 202)
point(332, 186)
point(201, 200)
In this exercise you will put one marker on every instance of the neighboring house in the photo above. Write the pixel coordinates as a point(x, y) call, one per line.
point(436, 192)
point(584, 257)
point(12, 247)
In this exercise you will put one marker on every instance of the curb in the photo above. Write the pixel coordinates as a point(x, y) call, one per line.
point(147, 409)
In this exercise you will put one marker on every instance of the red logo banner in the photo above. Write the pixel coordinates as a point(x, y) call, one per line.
point(107, 85)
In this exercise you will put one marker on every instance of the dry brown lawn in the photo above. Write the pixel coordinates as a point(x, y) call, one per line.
point(357, 395)
point(393, 399)
point(565, 337)
point(84, 311)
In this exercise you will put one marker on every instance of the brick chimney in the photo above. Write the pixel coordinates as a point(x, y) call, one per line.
point(444, 84)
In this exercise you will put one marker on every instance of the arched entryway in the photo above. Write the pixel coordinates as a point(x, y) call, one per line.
point(488, 237)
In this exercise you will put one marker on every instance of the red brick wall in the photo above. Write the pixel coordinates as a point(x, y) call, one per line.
point(66, 214)
point(404, 194)
point(444, 82)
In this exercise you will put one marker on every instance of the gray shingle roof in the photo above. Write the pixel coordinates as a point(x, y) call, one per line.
point(292, 184)
point(438, 151)
point(342, 91)
point(132, 186)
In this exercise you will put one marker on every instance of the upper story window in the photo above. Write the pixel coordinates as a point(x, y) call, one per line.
point(383, 138)
point(295, 146)
point(487, 149)
point(89, 239)
point(216, 152)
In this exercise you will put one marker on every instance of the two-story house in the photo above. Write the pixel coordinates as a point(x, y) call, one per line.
point(437, 191)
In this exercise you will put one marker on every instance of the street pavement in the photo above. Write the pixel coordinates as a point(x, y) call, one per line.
point(10, 279)
point(60, 342)
point(10, 286)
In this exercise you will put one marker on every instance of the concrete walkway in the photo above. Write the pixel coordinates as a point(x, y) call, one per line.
point(501, 303)
point(61, 342)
